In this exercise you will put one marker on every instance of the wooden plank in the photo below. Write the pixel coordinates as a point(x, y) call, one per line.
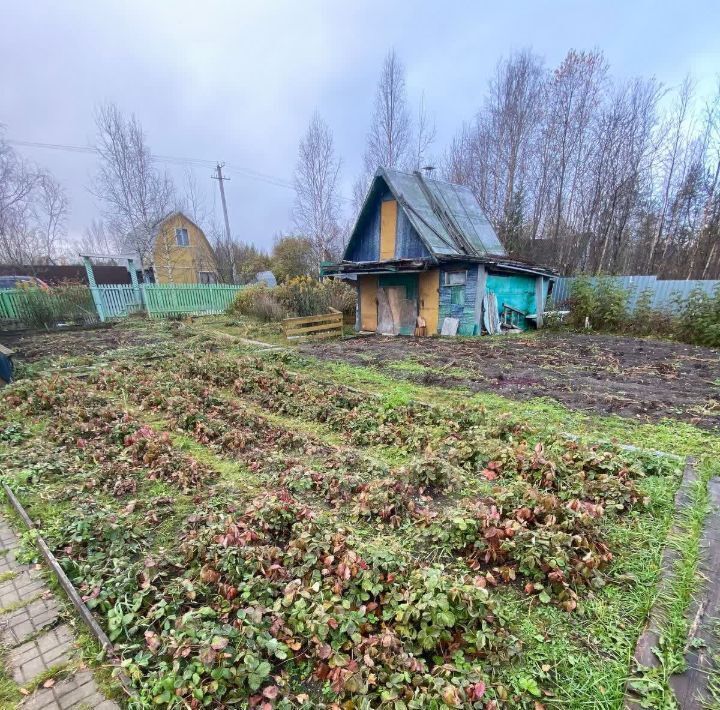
point(6, 351)
point(329, 317)
point(650, 637)
point(313, 329)
point(318, 321)
point(429, 293)
point(368, 302)
point(539, 300)
point(72, 594)
point(388, 228)
point(691, 687)
point(316, 336)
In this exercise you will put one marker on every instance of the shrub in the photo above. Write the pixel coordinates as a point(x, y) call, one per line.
point(646, 320)
point(301, 296)
point(38, 308)
point(340, 296)
point(699, 319)
point(602, 301)
point(259, 302)
point(306, 296)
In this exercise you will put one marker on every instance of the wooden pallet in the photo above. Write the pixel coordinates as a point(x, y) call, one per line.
point(326, 325)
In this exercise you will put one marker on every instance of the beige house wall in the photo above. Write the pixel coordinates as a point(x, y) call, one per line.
point(174, 264)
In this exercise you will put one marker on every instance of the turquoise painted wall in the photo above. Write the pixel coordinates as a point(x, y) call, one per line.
point(515, 290)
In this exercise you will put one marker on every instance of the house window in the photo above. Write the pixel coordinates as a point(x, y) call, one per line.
point(181, 237)
point(455, 278)
point(207, 277)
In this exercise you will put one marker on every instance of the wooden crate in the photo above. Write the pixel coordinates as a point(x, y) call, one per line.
point(326, 325)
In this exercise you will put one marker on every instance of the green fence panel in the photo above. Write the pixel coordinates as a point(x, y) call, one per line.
point(40, 308)
point(164, 300)
point(119, 300)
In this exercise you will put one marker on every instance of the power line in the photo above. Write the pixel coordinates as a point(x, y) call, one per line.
point(172, 160)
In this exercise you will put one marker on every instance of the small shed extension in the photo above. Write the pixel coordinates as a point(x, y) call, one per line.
point(424, 252)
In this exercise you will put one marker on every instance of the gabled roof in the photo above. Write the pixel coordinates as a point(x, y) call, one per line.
point(172, 215)
point(447, 217)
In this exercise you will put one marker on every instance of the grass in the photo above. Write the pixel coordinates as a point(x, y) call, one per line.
point(10, 695)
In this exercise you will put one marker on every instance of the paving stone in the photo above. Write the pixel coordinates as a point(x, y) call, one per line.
point(35, 646)
point(7, 535)
point(77, 691)
point(24, 587)
point(21, 624)
point(33, 657)
point(8, 563)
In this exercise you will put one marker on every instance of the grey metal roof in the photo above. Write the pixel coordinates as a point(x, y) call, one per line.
point(447, 217)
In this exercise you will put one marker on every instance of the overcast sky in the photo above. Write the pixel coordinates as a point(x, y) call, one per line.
point(238, 81)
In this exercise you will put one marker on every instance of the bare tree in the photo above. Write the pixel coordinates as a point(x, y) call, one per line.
point(674, 131)
point(33, 209)
point(96, 240)
point(316, 211)
point(49, 211)
point(390, 130)
point(195, 201)
point(425, 134)
point(134, 194)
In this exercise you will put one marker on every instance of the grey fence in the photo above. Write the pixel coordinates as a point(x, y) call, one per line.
point(664, 292)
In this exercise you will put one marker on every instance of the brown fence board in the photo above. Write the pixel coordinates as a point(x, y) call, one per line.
point(302, 330)
point(326, 325)
point(329, 317)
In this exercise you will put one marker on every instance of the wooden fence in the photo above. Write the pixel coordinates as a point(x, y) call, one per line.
point(327, 325)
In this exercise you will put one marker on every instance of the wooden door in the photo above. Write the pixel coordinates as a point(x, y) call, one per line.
point(368, 302)
point(430, 299)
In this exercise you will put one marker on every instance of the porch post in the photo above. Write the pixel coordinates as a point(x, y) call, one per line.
point(539, 300)
point(479, 295)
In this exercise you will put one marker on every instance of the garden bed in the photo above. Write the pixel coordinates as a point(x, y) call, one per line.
point(630, 377)
point(249, 532)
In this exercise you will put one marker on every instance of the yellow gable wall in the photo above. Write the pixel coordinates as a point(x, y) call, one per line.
point(180, 265)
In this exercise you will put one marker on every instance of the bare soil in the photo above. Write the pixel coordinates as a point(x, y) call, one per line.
point(31, 346)
point(630, 377)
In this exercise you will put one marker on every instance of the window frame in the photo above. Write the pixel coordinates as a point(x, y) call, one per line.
point(448, 274)
point(178, 232)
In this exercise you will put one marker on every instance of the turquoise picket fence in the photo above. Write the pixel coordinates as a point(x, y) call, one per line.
point(82, 304)
point(43, 308)
point(163, 300)
point(118, 300)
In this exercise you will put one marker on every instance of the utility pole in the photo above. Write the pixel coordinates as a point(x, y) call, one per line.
point(220, 178)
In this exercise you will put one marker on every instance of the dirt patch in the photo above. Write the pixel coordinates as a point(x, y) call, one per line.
point(630, 377)
point(37, 345)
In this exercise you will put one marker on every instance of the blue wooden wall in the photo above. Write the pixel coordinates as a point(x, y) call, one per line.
point(365, 240)
point(465, 311)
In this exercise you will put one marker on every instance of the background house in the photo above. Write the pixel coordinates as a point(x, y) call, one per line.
point(423, 247)
point(182, 253)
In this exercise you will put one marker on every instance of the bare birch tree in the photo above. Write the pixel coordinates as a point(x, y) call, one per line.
point(33, 210)
point(134, 194)
point(316, 210)
point(425, 134)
